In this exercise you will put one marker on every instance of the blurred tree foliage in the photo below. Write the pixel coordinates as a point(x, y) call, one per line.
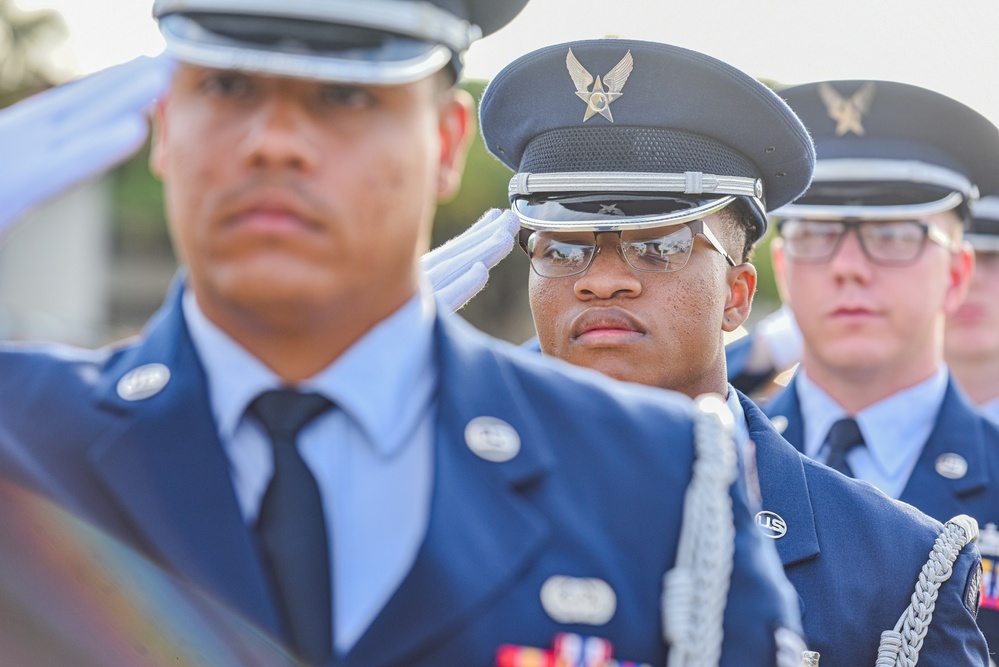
point(24, 43)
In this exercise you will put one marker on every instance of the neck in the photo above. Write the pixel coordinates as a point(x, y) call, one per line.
point(855, 389)
point(297, 341)
point(979, 378)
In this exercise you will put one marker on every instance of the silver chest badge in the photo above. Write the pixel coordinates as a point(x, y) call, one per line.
point(492, 439)
point(598, 99)
point(575, 600)
point(143, 382)
point(951, 466)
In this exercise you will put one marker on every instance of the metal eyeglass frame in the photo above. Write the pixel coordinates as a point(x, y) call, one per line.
point(696, 227)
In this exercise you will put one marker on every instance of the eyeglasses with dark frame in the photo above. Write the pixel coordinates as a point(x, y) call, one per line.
point(883, 242)
point(657, 250)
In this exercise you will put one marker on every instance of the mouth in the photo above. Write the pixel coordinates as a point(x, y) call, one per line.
point(273, 212)
point(853, 312)
point(601, 327)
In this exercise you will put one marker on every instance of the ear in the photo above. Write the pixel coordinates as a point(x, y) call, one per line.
point(780, 275)
point(741, 288)
point(456, 130)
point(962, 266)
point(158, 151)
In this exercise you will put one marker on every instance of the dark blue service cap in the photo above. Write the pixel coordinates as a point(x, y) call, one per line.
point(620, 134)
point(889, 150)
point(983, 232)
point(382, 42)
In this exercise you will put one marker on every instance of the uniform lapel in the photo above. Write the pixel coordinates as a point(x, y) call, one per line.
point(958, 430)
point(783, 486)
point(163, 463)
point(786, 407)
point(483, 533)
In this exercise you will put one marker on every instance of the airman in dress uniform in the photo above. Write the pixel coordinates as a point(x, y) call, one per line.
point(643, 176)
point(871, 260)
point(299, 433)
point(971, 341)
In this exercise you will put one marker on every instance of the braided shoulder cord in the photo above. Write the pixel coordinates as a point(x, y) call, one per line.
point(696, 589)
point(900, 647)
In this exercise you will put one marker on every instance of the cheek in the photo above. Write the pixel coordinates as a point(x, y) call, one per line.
point(548, 298)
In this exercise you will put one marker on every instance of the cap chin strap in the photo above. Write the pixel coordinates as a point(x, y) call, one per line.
point(420, 20)
point(586, 182)
point(182, 38)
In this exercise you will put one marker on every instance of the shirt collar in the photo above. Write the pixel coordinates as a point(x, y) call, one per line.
point(391, 370)
point(891, 427)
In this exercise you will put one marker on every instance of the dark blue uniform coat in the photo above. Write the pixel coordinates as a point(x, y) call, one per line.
point(596, 491)
point(959, 429)
point(854, 554)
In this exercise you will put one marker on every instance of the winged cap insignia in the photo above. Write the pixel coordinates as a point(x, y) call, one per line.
point(598, 99)
point(848, 113)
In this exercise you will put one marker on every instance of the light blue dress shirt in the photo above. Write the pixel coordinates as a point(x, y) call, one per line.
point(895, 429)
point(991, 410)
point(372, 456)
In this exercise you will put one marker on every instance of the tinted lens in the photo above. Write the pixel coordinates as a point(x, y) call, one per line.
point(652, 250)
point(556, 254)
point(893, 241)
point(811, 240)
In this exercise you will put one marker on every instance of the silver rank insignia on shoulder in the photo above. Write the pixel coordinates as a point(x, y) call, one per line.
point(951, 466)
point(848, 112)
point(598, 99)
point(142, 382)
point(492, 439)
point(576, 600)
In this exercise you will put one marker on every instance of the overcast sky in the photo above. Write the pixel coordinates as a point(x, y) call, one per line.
point(951, 47)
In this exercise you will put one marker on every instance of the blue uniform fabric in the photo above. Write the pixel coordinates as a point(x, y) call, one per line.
point(574, 501)
point(854, 555)
point(959, 429)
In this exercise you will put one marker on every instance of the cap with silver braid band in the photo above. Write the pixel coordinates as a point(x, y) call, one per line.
point(900, 647)
point(687, 183)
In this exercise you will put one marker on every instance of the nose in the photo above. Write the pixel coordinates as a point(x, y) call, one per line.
point(850, 263)
point(608, 275)
point(279, 135)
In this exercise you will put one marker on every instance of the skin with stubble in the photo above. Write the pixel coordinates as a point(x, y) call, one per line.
point(971, 343)
point(301, 207)
point(659, 329)
point(871, 331)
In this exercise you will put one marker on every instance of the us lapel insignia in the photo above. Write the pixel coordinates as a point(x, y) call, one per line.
point(492, 439)
point(951, 466)
point(771, 525)
point(568, 650)
point(779, 422)
point(574, 600)
point(598, 99)
point(143, 382)
point(988, 546)
point(848, 112)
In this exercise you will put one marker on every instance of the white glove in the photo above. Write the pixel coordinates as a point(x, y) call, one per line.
point(58, 138)
point(779, 332)
point(459, 269)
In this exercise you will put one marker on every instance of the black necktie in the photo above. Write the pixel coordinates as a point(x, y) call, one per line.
point(843, 436)
point(291, 526)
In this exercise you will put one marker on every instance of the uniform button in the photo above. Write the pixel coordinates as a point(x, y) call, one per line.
point(143, 382)
point(951, 466)
point(492, 439)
